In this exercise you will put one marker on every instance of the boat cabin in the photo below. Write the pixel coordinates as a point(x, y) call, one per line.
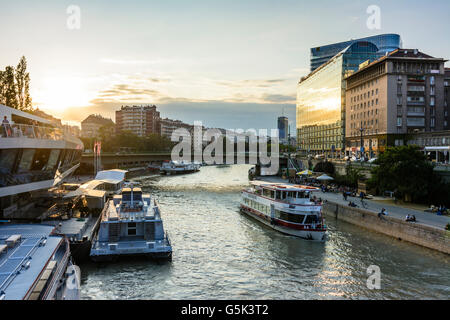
point(286, 193)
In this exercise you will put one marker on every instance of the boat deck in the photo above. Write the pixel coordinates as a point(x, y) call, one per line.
point(21, 264)
point(75, 228)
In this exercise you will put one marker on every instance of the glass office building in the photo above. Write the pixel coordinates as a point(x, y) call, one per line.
point(321, 100)
point(384, 42)
point(283, 128)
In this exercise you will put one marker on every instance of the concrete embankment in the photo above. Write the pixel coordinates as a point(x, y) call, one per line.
point(426, 236)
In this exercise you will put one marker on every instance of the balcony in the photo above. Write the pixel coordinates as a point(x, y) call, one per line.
point(416, 111)
point(415, 122)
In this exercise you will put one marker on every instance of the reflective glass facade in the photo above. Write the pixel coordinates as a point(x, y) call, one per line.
point(321, 100)
point(384, 42)
point(283, 127)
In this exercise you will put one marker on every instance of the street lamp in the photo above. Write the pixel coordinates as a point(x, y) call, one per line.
point(361, 150)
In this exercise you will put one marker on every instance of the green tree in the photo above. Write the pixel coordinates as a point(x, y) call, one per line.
point(22, 78)
point(404, 170)
point(8, 88)
point(15, 87)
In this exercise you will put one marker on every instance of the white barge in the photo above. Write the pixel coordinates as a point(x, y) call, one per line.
point(285, 208)
point(178, 167)
point(131, 225)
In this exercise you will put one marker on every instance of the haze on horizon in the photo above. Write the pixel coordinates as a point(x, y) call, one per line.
point(230, 64)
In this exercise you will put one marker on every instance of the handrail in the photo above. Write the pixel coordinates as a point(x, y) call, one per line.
point(17, 130)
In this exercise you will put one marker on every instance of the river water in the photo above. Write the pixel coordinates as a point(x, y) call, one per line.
point(219, 253)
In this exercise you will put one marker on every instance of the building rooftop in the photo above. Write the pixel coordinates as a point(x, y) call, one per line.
point(412, 54)
point(97, 119)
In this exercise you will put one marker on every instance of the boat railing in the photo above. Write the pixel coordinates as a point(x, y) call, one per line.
point(166, 237)
point(62, 265)
point(17, 130)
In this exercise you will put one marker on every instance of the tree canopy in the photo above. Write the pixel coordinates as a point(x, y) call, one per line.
point(127, 139)
point(406, 171)
point(15, 86)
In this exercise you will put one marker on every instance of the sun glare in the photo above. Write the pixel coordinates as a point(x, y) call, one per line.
point(59, 94)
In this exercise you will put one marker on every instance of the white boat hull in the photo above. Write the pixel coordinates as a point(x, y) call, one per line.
point(315, 235)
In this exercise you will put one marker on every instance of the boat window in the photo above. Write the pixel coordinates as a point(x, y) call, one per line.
point(7, 160)
point(283, 195)
point(40, 159)
point(126, 196)
point(132, 228)
point(26, 160)
point(52, 160)
point(278, 194)
point(311, 219)
point(289, 217)
point(137, 196)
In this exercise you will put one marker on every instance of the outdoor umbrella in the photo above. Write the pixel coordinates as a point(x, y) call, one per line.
point(305, 173)
point(325, 178)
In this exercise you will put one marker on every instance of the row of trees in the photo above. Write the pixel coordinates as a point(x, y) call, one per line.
point(15, 86)
point(129, 140)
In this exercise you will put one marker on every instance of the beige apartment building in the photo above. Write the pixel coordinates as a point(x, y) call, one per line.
point(387, 101)
point(141, 120)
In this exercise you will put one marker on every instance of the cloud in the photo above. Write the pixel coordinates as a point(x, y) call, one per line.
point(135, 61)
point(278, 98)
point(250, 83)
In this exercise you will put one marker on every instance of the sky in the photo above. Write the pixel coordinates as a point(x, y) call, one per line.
point(230, 64)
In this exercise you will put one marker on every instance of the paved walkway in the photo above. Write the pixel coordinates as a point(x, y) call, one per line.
point(425, 218)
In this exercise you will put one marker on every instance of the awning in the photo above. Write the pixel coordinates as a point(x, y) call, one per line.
point(445, 148)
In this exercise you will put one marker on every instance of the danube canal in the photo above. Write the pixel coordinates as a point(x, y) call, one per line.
point(220, 254)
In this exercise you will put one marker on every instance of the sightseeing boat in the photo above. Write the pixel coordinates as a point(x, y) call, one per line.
point(178, 167)
point(131, 225)
point(286, 208)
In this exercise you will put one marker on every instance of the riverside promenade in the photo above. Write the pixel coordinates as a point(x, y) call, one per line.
point(428, 231)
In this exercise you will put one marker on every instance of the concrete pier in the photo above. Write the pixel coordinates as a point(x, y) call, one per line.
point(426, 236)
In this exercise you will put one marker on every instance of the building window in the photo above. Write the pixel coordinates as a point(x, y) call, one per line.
point(399, 100)
point(432, 80)
point(432, 101)
point(432, 90)
point(433, 122)
point(399, 121)
point(132, 229)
